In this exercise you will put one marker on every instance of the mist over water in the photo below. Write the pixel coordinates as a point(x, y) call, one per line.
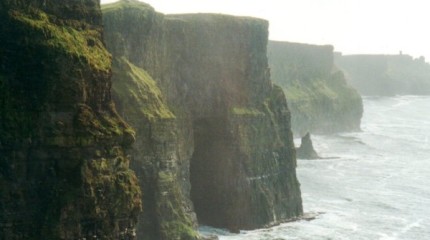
point(377, 188)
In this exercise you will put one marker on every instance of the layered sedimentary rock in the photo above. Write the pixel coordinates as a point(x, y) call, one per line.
point(232, 144)
point(319, 98)
point(64, 172)
point(386, 75)
point(168, 212)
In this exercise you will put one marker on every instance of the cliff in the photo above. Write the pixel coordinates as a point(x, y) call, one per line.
point(168, 213)
point(319, 98)
point(64, 171)
point(232, 154)
point(386, 75)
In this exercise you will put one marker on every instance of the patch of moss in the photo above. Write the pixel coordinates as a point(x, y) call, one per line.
point(246, 111)
point(128, 192)
point(320, 99)
point(73, 37)
point(180, 229)
point(174, 222)
point(97, 124)
point(112, 184)
point(298, 91)
point(94, 126)
point(137, 93)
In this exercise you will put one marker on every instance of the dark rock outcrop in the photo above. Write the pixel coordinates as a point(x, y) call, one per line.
point(64, 171)
point(306, 149)
point(386, 75)
point(319, 97)
point(231, 143)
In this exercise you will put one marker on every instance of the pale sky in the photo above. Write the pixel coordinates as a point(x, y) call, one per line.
point(351, 26)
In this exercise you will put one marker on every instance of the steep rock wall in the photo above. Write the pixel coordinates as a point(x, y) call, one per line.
point(386, 75)
point(159, 161)
point(64, 171)
point(319, 97)
point(233, 125)
point(168, 213)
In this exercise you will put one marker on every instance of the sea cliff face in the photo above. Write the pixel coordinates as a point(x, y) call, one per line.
point(230, 143)
point(386, 75)
point(168, 212)
point(64, 170)
point(319, 98)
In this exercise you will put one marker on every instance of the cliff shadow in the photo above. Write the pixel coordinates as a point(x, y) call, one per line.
point(215, 172)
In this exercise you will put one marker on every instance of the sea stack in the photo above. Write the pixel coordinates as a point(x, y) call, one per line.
point(306, 149)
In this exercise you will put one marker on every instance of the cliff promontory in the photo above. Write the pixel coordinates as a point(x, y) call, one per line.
point(319, 97)
point(386, 75)
point(64, 171)
point(226, 129)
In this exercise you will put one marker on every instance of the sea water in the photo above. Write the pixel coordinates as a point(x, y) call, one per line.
point(376, 184)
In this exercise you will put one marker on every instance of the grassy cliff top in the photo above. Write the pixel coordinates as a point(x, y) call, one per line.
point(214, 16)
point(124, 4)
point(70, 36)
point(308, 47)
point(301, 47)
point(135, 4)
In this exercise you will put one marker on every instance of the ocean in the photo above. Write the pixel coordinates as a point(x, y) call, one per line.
point(376, 184)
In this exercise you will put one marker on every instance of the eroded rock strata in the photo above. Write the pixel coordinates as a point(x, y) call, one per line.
point(168, 212)
point(319, 98)
point(226, 125)
point(64, 172)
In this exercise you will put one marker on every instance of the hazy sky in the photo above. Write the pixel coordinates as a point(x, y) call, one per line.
point(352, 26)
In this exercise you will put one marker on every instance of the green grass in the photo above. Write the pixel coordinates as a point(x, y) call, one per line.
point(123, 4)
point(137, 92)
point(246, 111)
point(174, 222)
point(72, 37)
